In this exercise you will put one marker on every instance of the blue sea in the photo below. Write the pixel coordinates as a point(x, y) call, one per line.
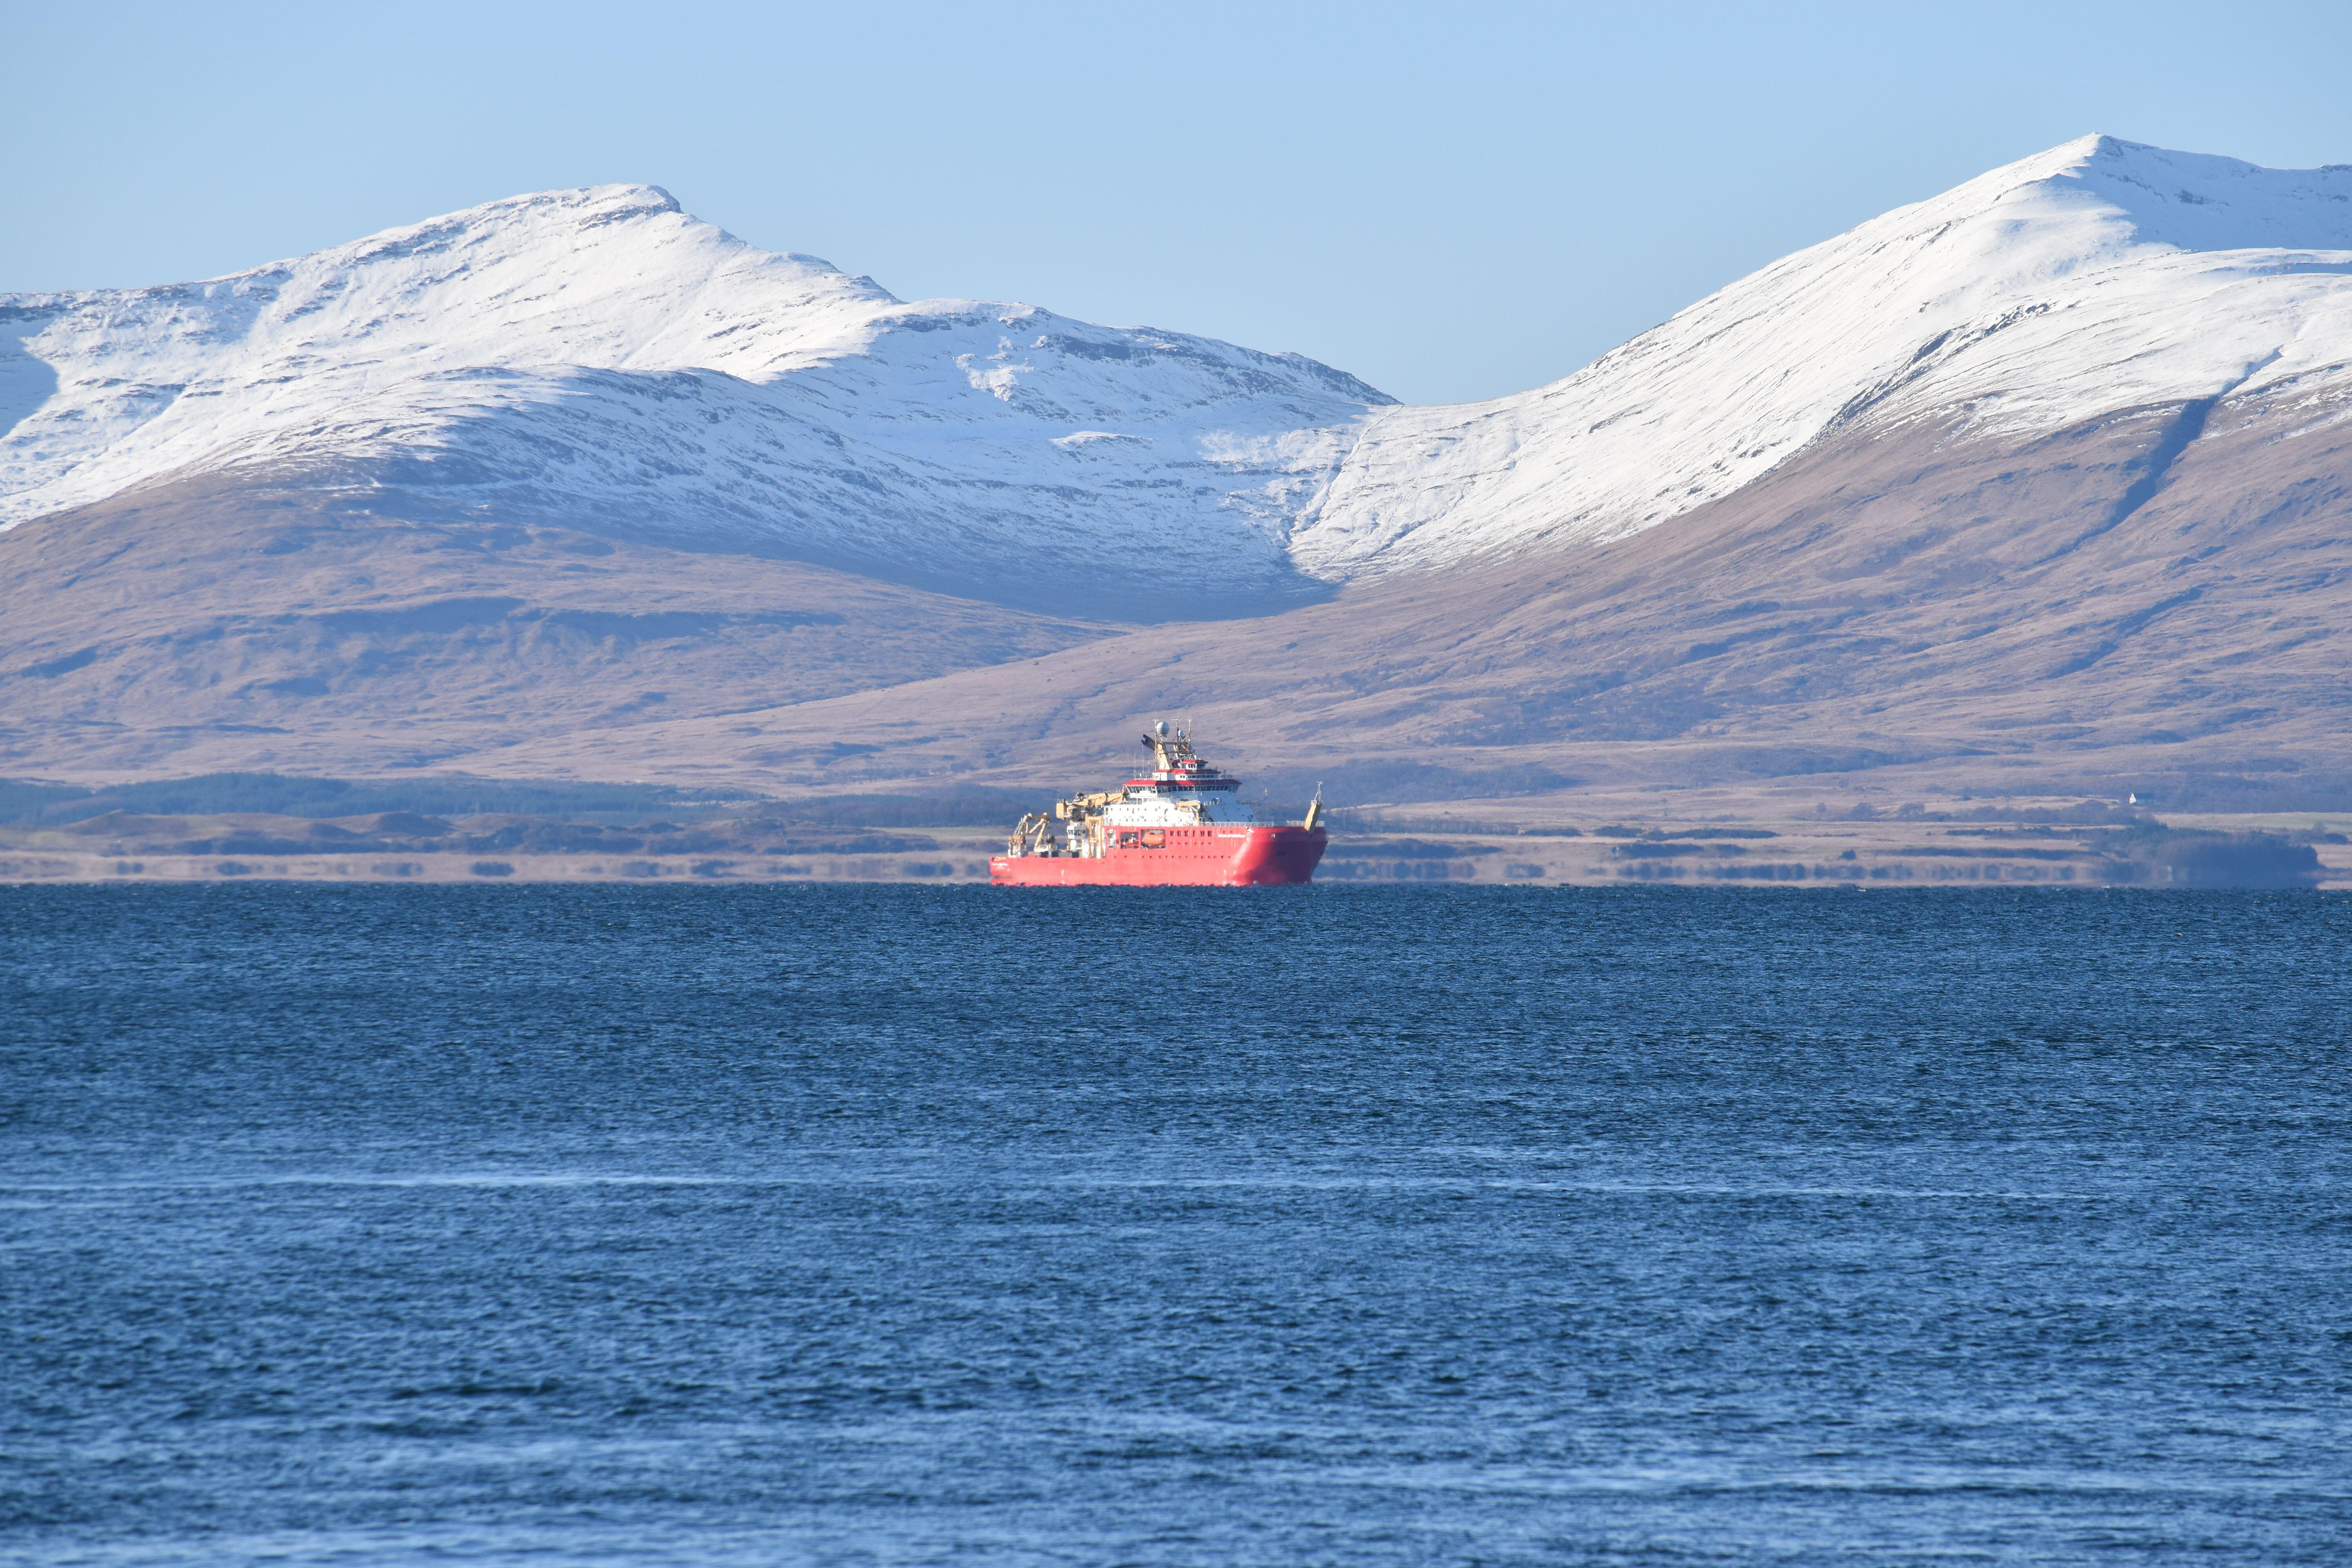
point(1350, 1226)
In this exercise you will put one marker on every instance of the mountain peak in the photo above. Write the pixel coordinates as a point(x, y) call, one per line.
point(2189, 201)
point(664, 200)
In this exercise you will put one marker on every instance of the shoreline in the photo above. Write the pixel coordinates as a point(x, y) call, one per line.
point(1765, 852)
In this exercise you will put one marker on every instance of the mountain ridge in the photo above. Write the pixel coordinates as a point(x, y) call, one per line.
point(2019, 483)
point(771, 400)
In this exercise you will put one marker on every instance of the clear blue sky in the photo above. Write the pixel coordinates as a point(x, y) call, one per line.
point(1452, 202)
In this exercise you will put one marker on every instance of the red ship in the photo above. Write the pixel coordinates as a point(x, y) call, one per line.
point(1185, 827)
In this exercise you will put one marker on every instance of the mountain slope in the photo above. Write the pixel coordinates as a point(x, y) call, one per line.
point(2057, 614)
point(1876, 609)
point(164, 629)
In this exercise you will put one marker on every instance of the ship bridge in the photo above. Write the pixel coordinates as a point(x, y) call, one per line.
point(1181, 790)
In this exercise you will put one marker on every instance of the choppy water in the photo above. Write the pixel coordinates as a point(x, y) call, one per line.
point(1411, 1226)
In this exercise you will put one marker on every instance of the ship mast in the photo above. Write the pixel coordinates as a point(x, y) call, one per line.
point(1169, 748)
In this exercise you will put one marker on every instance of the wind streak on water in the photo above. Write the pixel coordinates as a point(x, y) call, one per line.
point(838, 1225)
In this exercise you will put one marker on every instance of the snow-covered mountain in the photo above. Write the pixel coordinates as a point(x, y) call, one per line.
point(2094, 277)
point(600, 358)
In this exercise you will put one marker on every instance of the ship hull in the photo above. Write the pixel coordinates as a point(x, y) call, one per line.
point(1202, 857)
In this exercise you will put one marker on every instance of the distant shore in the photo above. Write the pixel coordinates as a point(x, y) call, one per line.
point(2271, 850)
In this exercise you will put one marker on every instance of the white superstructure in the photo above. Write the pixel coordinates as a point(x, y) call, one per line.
point(1183, 793)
